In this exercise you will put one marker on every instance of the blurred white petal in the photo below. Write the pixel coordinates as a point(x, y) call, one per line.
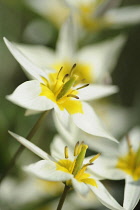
point(124, 16)
point(105, 197)
point(93, 92)
point(80, 187)
point(89, 122)
point(131, 193)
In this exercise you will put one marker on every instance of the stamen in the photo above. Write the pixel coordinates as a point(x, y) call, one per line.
point(82, 86)
point(73, 96)
point(87, 164)
point(46, 82)
point(94, 158)
point(73, 67)
point(129, 144)
point(76, 149)
point(65, 77)
point(59, 72)
point(66, 152)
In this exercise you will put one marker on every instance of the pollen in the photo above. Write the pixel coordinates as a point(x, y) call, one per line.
point(130, 163)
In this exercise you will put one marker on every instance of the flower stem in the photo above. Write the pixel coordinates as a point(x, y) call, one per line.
point(62, 198)
point(21, 147)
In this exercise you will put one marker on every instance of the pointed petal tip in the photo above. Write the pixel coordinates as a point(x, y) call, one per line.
point(12, 134)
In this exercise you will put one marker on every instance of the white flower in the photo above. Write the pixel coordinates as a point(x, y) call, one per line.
point(94, 62)
point(96, 15)
point(123, 162)
point(59, 90)
point(72, 169)
point(90, 14)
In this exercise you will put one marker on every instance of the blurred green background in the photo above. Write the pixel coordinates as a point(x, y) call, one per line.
point(17, 21)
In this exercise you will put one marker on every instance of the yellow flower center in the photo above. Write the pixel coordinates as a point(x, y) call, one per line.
point(61, 89)
point(87, 18)
point(83, 70)
point(130, 163)
point(76, 166)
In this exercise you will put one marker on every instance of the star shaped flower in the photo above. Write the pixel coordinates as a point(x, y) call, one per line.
point(72, 170)
point(94, 61)
point(123, 162)
point(92, 15)
point(62, 90)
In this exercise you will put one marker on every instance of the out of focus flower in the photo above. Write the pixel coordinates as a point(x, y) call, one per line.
point(60, 90)
point(72, 169)
point(96, 15)
point(94, 62)
point(118, 121)
point(123, 162)
point(93, 15)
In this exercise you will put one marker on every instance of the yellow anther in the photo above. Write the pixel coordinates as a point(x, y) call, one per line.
point(66, 152)
point(76, 149)
point(94, 158)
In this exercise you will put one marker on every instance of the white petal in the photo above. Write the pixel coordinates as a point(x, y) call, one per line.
point(93, 92)
point(105, 197)
point(89, 122)
point(27, 96)
point(134, 136)
point(37, 54)
point(124, 16)
point(62, 115)
point(80, 187)
point(102, 145)
point(32, 69)
point(106, 167)
point(31, 146)
point(54, 9)
point(57, 148)
point(131, 193)
point(63, 129)
point(46, 169)
point(66, 43)
point(29, 112)
point(102, 57)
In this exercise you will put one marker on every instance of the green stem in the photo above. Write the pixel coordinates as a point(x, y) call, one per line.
point(62, 198)
point(21, 147)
